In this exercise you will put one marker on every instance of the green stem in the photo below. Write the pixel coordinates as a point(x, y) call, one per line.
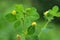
point(44, 28)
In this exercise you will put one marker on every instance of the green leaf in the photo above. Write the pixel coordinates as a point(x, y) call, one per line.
point(54, 14)
point(55, 8)
point(32, 13)
point(19, 8)
point(17, 24)
point(57, 14)
point(35, 37)
point(28, 38)
point(27, 21)
point(31, 30)
point(19, 16)
point(10, 17)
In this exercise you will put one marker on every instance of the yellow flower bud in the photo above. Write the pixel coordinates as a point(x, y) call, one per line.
point(14, 12)
point(34, 24)
point(18, 37)
point(46, 13)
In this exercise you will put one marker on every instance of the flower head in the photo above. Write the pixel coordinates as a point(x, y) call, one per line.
point(18, 37)
point(14, 12)
point(46, 13)
point(34, 23)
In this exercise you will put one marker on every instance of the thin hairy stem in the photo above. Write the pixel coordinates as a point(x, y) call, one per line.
point(45, 26)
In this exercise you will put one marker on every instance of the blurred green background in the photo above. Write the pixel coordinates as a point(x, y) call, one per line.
point(7, 32)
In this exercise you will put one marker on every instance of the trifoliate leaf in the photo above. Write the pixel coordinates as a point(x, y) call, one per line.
point(51, 13)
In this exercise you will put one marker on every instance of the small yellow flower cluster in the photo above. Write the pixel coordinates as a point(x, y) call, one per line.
point(18, 37)
point(34, 23)
point(46, 13)
point(14, 12)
